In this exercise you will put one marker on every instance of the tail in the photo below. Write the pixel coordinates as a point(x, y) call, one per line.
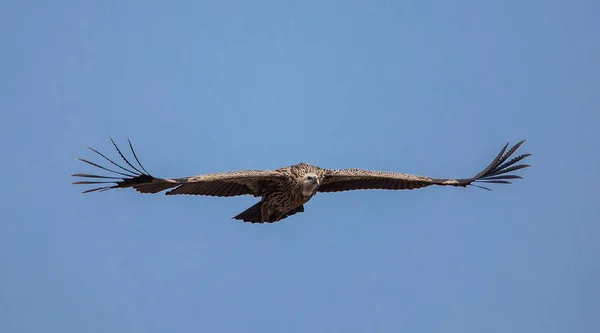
point(254, 214)
point(141, 181)
point(497, 172)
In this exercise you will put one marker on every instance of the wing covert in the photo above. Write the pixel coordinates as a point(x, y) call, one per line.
point(225, 184)
point(356, 179)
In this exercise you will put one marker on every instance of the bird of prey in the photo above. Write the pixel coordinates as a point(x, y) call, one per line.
point(284, 191)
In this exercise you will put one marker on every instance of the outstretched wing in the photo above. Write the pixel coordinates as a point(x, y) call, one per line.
point(499, 172)
point(226, 184)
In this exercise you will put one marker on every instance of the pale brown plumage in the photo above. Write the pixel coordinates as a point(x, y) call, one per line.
point(284, 191)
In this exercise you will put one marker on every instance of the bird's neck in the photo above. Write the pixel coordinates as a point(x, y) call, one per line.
point(308, 190)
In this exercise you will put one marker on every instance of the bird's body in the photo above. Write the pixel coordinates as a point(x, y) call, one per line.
point(285, 194)
point(284, 191)
point(289, 193)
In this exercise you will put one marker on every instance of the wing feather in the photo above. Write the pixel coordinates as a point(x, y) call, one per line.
point(225, 184)
point(357, 179)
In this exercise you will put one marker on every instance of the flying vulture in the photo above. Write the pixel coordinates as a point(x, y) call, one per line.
point(284, 191)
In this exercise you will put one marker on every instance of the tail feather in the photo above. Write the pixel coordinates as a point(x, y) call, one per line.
point(131, 177)
point(254, 214)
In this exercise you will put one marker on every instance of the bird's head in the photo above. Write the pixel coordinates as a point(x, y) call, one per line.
point(310, 182)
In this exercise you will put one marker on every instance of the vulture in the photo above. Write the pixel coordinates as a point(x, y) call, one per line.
point(284, 191)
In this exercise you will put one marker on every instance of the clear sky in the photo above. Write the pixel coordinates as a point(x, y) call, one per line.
point(433, 88)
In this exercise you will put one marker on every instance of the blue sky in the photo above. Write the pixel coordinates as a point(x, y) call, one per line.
point(427, 87)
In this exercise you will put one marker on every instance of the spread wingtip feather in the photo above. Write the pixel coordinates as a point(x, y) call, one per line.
point(498, 171)
point(128, 178)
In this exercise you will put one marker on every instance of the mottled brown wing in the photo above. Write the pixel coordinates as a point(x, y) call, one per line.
point(252, 182)
point(227, 184)
point(357, 179)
